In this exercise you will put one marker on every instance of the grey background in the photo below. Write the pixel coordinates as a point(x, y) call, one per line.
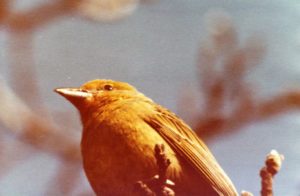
point(155, 49)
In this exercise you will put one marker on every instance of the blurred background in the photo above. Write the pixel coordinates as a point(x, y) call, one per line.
point(229, 68)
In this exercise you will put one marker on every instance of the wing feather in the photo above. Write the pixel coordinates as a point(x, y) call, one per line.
point(188, 145)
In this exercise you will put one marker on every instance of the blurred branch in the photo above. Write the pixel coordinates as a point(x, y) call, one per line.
point(24, 80)
point(4, 10)
point(279, 104)
point(229, 101)
point(34, 129)
point(41, 133)
point(22, 111)
point(260, 111)
point(38, 16)
point(38, 131)
point(106, 11)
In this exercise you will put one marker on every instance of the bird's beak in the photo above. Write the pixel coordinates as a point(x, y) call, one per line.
point(73, 92)
point(75, 95)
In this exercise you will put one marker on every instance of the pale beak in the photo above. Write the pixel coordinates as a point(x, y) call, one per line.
point(75, 95)
point(73, 92)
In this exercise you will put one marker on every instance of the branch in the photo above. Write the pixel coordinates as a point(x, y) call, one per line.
point(159, 184)
point(209, 127)
point(38, 131)
point(37, 17)
point(267, 173)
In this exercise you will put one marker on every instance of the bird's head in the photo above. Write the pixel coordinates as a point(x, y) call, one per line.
point(96, 91)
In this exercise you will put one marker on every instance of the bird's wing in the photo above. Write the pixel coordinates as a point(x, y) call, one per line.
point(188, 145)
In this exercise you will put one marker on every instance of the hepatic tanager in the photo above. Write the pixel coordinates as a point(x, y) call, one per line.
point(121, 126)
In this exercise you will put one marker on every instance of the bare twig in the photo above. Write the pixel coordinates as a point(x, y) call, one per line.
point(267, 173)
point(246, 193)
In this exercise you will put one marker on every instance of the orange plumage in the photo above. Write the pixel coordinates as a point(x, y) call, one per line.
point(120, 129)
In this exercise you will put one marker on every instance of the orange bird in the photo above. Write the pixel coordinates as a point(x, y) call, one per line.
point(120, 129)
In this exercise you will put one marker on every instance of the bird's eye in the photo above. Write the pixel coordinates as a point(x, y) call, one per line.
point(108, 87)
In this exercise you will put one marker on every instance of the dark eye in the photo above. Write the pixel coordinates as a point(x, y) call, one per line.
point(108, 87)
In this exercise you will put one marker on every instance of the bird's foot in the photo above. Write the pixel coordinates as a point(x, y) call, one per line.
point(158, 185)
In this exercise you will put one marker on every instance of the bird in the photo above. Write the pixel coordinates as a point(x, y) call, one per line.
point(121, 126)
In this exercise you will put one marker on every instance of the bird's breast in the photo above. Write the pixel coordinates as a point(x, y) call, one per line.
point(119, 150)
